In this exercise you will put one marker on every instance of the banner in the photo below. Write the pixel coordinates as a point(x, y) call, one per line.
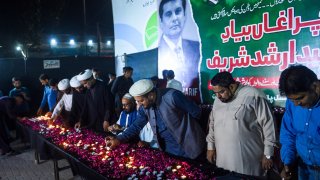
point(135, 25)
point(179, 45)
point(256, 40)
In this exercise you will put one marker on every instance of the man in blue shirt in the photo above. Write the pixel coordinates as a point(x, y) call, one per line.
point(173, 119)
point(300, 129)
point(49, 95)
point(127, 116)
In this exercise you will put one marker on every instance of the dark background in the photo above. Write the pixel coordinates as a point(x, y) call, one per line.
point(69, 67)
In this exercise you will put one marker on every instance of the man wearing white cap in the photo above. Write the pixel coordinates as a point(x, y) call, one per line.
point(78, 97)
point(64, 103)
point(172, 118)
point(127, 116)
point(98, 107)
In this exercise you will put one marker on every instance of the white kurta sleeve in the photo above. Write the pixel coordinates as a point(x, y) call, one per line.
point(210, 137)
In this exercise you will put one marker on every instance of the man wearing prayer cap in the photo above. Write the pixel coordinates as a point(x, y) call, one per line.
point(173, 119)
point(64, 106)
point(78, 97)
point(97, 112)
point(127, 116)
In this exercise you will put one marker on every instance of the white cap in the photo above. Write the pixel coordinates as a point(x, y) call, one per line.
point(84, 75)
point(128, 96)
point(74, 82)
point(63, 84)
point(141, 87)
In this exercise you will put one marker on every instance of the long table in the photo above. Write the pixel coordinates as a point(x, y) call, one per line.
point(45, 149)
point(89, 158)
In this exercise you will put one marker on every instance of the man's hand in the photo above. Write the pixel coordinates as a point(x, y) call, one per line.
point(211, 156)
point(48, 114)
point(286, 173)
point(105, 125)
point(77, 125)
point(143, 144)
point(266, 163)
point(39, 112)
point(112, 142)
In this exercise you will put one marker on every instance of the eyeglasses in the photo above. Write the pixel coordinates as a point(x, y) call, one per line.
point(125, 105)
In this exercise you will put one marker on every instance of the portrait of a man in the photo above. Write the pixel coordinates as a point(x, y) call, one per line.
point(176, 52)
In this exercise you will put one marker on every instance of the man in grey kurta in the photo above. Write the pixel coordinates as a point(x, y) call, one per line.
point(241, 134)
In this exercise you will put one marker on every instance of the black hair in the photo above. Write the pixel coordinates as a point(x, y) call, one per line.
point(154, 78)
point(170, 74)
point(16, 79)
point(127, 68)
point(223, 79)
point(43, 77)
point(53, 82)
point(163, 2)
point(295, 79)
point(164, 74)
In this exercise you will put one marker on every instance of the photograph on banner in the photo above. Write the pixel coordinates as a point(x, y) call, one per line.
point(256, 40)
point(179, 45)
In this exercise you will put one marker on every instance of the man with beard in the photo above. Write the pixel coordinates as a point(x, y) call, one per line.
point(49, 94)
point(173, 119)
point(241, 134)
point(78, 97)
point(127, 116)
point(97, 112)
point(64, 106)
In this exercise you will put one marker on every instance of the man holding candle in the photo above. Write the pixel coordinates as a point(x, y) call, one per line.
point(173, 119)
point(241, 134)
point(98, 107)
point(300, 128)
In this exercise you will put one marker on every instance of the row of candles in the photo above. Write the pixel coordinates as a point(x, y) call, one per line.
point(126, 161)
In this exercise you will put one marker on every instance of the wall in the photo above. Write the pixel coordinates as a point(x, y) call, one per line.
point(30, 70)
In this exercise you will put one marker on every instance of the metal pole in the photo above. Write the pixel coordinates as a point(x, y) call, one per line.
point(84, 26)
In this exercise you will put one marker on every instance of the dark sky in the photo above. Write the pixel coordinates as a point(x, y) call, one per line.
point(21, 19)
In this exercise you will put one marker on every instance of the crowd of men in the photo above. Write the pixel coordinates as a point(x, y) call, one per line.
point(241, 135)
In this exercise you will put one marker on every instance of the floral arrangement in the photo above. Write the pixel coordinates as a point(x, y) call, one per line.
point(127, 161)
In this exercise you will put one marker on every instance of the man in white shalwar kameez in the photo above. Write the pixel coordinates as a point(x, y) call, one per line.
point(241, 134)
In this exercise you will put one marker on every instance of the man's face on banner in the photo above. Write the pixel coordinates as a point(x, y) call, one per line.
point(173, 19)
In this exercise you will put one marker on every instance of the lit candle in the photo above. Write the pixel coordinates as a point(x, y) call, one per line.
point(141, 167)
point(174, 170)
point(183, 177)
point(178, 167)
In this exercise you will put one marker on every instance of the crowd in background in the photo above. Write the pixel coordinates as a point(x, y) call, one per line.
point(155, 113)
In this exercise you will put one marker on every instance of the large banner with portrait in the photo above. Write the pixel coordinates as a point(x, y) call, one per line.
point(256, 40)
point(179, 45)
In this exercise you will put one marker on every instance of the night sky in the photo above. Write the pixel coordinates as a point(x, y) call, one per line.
point(24, 20)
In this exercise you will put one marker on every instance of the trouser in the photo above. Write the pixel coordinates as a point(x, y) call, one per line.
point(307, 172)
point(4, 136)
